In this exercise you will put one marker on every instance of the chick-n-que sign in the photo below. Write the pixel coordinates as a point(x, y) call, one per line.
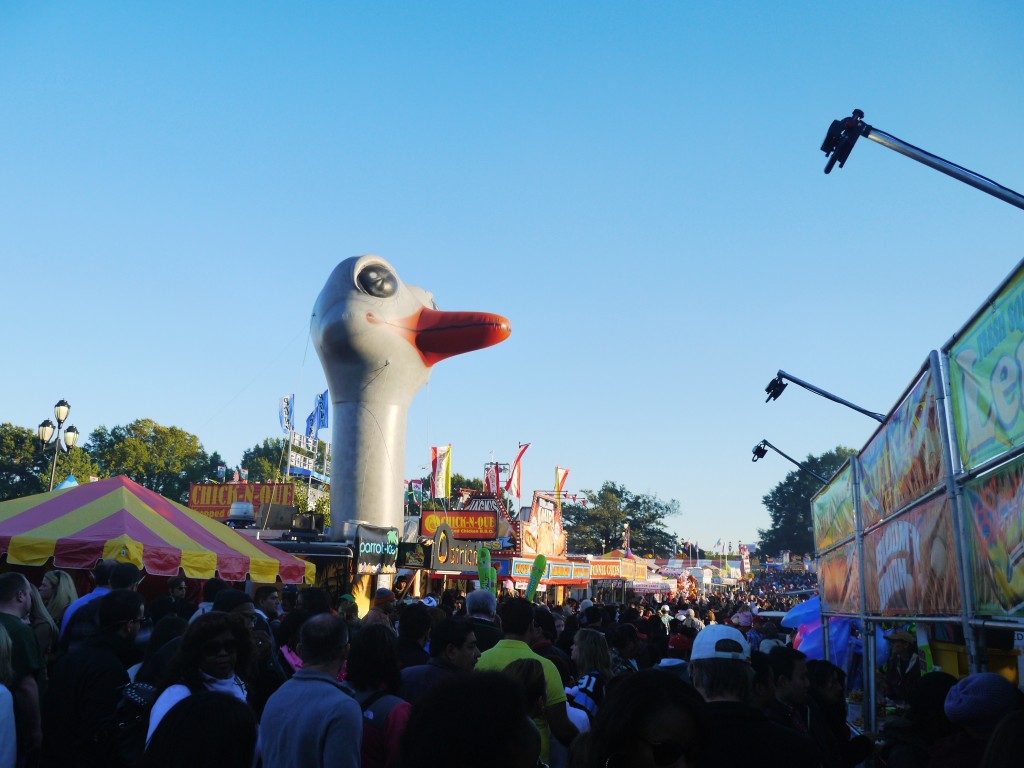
point(469, 526)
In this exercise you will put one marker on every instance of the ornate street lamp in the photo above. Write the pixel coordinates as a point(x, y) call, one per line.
point(48, 431)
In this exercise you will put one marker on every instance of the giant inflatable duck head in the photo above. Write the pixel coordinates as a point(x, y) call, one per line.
point(378, 339)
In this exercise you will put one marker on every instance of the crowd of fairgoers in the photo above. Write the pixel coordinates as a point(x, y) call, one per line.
point(292, 677)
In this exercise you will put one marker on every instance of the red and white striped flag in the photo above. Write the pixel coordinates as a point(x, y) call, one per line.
point(560, 475)
point(514, 486)
point(491, 479)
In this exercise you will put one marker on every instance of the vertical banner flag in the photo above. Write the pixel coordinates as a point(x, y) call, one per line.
point(221, 471)
point(286, 413)
point(416, 489)
point(311, 424)
point(514, 486)
point(491, 479)
point(441, 471)
point(560, 475)
point(245, 475)
point(322, 411)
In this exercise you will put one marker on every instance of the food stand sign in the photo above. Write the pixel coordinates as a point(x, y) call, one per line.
point(376, 549)
point(450, 555)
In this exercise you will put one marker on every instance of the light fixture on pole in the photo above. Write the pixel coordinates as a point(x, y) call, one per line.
point(778, 384)
point(761, 450)
point(48, 431)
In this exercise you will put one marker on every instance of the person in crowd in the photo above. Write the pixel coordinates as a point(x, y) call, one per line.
point(543, 642)
point(174, 602)
point(648, 719)
point(625, 647)
point(530, 675)
point(57, 589)
point(210, 589)
point(82, 696)
point(264, 675)
point(517, 622)
point(8, 731)
point(792, 689)
point(44, 628)
point(828, 726)
point(505, 738)
point(206, 730)
point(375, 674)
point(313, 599)
point(721, 671)
point(755, 634)
point(84, 622)
point(382, 610)
point(268, 603)
point(482, 607)
point(413, 635)
point(453, 650)
point(771, 639)
point(975, 704)
point(909, 739)
point(313, 720)
point(288, 640)
point(101, 578)
point(690, 619)
point(593, 661)
point(215, 655)
point(762, 684)
point(902, 671)
point(163, 644)
point(26, 661)
point(1006, 744)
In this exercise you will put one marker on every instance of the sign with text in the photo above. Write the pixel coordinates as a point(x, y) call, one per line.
point(910, 563)
point(215, 500)
point(986, 364)
point(376, 549)
point(542, 532)
point(605, 569)
point(466, 525)
point(450, 555)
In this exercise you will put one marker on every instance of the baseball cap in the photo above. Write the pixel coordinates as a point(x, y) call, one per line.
point(720, 642)
point(665, 608)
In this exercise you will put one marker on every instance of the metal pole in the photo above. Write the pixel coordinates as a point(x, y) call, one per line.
point(944, 166)
point(866, 630)
point(56, 450)
point(819, 478)
point(829, 396)
point(961, 532)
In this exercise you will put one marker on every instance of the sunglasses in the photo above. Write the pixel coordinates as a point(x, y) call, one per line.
point(213, 647)
point(665, 752)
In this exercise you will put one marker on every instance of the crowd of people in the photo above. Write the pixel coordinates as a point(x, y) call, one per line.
point(292, 677)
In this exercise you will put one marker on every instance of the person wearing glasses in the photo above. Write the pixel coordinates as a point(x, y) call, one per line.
point(85, 688)
point(214, 655)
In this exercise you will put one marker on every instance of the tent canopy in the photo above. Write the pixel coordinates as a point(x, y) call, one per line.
point(119, 519)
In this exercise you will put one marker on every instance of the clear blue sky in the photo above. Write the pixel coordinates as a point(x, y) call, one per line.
point(636, 186)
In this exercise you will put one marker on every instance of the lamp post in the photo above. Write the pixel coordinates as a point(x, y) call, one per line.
point(778, 384)
point(48, 431)
point(761, 450)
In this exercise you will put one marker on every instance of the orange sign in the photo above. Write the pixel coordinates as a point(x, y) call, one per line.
point(215, 500)
point(471, 526)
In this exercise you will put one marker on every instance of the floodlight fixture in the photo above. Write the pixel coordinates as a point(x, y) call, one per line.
point(761, 450)
point(778, 384)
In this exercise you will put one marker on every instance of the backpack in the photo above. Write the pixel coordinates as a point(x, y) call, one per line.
point(125, 733)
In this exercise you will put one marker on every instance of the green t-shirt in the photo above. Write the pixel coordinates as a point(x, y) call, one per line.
point(26, 658)
point(507, 651)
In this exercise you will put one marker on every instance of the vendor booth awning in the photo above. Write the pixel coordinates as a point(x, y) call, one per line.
point(117, 518)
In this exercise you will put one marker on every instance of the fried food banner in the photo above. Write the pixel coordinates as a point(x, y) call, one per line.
point(840, 580)
point(215, 500)
point(985, 367)
point(832, 511)
point(995, 503)
point(910, 563)
point(904, 460)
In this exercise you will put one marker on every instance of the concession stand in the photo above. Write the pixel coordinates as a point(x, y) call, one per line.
point(922, 529)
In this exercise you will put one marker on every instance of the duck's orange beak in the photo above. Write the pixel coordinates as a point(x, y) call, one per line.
point(439, 335)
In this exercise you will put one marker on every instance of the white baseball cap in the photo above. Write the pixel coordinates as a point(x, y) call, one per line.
point(719, 641)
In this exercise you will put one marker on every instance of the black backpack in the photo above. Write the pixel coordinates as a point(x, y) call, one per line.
point(124, 733)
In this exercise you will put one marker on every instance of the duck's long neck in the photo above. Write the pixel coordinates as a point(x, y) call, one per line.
point(367, 460)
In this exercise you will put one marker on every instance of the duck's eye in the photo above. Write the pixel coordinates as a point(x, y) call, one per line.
point(377, 280)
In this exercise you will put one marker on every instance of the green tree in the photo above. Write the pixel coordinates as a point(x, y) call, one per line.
point(163, 459)
point(22, 463)
point(266, 461)
point(600, 525)
point(458, 481)
point(789, 505)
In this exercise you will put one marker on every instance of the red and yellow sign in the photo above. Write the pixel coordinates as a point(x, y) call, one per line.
point(215, 500)
point(470, 526)
point(605, 569)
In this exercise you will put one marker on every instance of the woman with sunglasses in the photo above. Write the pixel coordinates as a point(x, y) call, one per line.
point(649, 719)
point(214, 655)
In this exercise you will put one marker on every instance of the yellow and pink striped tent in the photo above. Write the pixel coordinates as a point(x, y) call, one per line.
point(118, 518)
